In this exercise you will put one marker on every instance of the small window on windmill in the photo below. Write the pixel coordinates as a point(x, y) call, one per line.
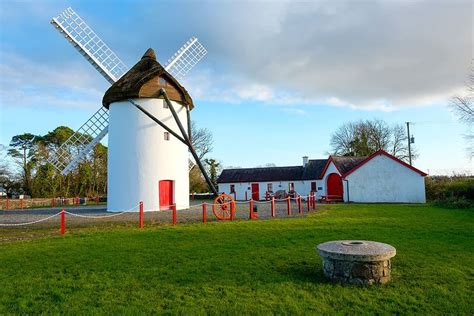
point(167, 135)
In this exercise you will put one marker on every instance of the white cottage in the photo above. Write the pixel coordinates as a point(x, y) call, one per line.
point(379, 177)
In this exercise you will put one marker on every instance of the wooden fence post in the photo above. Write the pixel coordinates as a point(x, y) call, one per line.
point(141, 216)
point(272, 205)
point(251, 209)
point(288, 205)
point(173, 207)
point(63, 222)
point(204, 212)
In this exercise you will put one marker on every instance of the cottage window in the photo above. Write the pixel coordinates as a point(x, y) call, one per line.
point(313, 186)
point(166, 136)
point(291, 186)
point(270, 187)
point(232, 188)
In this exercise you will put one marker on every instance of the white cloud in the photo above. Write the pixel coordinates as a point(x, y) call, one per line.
point(370, 55)
point(24, 82)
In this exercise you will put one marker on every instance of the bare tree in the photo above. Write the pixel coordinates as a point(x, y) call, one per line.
point(463, 107)
point(363, 138)
point(202, 140)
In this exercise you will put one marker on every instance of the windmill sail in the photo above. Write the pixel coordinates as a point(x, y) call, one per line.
point(82, 142)
point(89, 45)
point(186, 58)
point(111, 67)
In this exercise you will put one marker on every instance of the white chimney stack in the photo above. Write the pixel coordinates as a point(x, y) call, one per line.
point(305, 161)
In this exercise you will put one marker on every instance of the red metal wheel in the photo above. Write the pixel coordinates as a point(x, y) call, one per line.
point(222, 207)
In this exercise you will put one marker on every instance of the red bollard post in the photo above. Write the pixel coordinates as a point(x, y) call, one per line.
point(141, 216)
point(272, 205)
point(314, 202)
point(63, 222)
point(288, 205)
point(251, 209)
point(173, 207)
point(300, 209)
point(308, 202)
point(232, 210)
point(204, 212)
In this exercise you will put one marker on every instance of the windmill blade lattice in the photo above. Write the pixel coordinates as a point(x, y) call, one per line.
point(89, 45)
point(186, 58)
point(111, 67)
point(81, 142)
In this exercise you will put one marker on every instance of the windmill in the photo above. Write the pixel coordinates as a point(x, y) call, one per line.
point(132, 174)
point(111, 67)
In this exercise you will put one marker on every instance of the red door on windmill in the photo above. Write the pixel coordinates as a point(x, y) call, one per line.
point(255, 192)
point(166, 194)
point(334, 187)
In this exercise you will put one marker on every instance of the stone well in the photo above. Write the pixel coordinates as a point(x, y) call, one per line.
point(356, 261)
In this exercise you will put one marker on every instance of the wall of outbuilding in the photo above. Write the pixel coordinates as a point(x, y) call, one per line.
point(382, 179)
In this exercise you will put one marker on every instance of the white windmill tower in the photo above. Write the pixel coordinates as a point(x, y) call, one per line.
point(145, 161)
point(96, 52)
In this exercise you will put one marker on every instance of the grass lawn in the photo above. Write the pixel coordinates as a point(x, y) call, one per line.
point(244, 267)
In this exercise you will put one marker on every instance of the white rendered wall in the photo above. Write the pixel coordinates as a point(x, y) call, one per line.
point(139, 156)
point(384, 180)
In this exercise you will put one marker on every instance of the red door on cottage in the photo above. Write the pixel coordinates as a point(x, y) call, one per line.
point(255, 192)
point(166, 194)
point(334, 186)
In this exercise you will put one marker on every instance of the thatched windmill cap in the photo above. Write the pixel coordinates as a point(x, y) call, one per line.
point(144, 80)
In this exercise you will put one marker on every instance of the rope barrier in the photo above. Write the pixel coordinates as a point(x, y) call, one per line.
point(102, 216)
point(262, 202)
point(30, 223)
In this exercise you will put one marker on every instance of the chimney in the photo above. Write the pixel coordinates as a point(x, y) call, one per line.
point(305, 161)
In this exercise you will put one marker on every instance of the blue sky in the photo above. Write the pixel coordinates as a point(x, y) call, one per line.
point(279, 77)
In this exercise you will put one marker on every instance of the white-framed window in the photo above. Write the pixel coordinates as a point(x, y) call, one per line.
point(270, 187)
point(232, 188)
point(166, 136)
point(291, 186)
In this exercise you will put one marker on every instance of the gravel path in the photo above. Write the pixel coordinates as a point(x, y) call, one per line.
point(193, 214)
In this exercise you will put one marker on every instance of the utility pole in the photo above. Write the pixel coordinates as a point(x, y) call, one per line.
point(409, 142)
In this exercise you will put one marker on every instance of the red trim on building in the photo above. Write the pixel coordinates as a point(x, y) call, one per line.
point(321, 176)
point(383, 152)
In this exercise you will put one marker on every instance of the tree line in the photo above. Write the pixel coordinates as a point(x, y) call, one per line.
point(24, 166)
point(30, 173)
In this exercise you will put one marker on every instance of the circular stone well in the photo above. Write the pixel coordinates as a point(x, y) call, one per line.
point(356, 261)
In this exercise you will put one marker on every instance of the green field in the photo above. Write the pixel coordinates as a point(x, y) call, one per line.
point(244, 267)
